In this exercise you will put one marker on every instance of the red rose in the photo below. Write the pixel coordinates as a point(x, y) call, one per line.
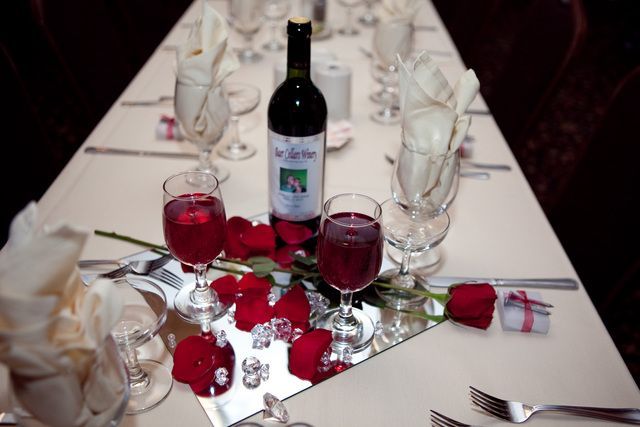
point(227, 288)
point(306, 353)
point(233, 246)
point(245, 240)
point(471, 304)
point(250, 284)
point(294, 306)
point(252, 310)
point(293, 234)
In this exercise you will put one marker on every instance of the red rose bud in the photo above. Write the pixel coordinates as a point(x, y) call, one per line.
point(294, 306)
point(283, 255)
point(251, 310)
point(306, 352)
point(293, 234)
point(233, 246)
point(471, 304)
point(250, 284)
point(227, 288)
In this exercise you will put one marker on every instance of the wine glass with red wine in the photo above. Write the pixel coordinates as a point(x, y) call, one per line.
point(195, 224)
point(349, 251)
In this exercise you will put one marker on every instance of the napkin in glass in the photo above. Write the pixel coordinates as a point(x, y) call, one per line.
point(521, 319)
point(433, 121)
point(52, 328)
point(203, 62)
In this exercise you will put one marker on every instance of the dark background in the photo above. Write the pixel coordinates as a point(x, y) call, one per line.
point(551, 71)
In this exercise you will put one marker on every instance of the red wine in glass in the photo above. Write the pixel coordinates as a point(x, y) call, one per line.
point(195, 228)
point(349, 250)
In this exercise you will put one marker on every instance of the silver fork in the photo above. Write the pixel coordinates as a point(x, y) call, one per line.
point(167, 277)
point(518, 412)
point(140, 267)
point(441, 420)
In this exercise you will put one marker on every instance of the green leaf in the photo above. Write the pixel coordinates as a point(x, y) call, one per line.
point(306, 260)
point(260, 260)
point(263, 270)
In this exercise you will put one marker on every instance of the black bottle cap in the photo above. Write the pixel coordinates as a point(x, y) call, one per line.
point(299, 26)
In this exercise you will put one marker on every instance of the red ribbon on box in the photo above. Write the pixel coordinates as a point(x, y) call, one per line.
point(170, 121)
point(521, 296)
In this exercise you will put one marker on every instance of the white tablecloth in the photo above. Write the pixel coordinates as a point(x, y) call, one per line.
point(498, 230)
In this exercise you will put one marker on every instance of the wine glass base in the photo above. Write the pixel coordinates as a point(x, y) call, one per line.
point(158, 387)
point(240, 152)
point(399, 299)
point(368, 20)
point(386, 117)
point(273, 46)
point(426, 259)
point(248, 56)
point(358, 341)
point(192, 311)
point(397, 327)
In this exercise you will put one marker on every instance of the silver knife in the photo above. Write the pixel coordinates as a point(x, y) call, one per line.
point(8, 419)
point(481, 165)
point(164, 99)
point(550, 283)
point(140, 153)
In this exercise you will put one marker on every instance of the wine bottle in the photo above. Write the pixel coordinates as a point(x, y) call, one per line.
point(297, 121)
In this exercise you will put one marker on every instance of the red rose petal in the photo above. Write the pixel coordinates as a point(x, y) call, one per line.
point(293, 234)
point(233, 246)
point(261, 238)
point(226, 287)
point(251, 310)
point(250, 284)
point(192, 359)
point(294, 306)
point(306, 352)
point(471, 304)
point(283, 255)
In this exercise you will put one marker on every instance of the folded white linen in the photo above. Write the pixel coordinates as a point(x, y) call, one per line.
point(53, 329)
point(203, 62)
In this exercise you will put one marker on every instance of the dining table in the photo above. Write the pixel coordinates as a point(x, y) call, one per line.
point(498, 230)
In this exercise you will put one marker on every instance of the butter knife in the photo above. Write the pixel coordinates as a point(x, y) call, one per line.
point(549, 283)
point(140, 153)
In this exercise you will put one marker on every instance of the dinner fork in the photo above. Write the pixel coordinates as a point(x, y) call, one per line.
point(139, 267)
point(441, 420)
point(518, 412)
point(167, 277)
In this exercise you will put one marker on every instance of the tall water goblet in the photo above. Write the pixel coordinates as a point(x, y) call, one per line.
point(389, 113)
point(349, 28)
point(246, 19)
point(243, 98)
point(188, 103)
point(194, 224)
point(275, 11)
point(349, 252)
point(144, 313)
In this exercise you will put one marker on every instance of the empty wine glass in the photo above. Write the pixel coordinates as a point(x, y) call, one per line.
point(389, 114)
point(349, 253)
point(194, 225)
point(188, 103)
point(349, 29)
point(243, 98)
point(369, 18)
point(246, 19)
point(275, 11)
point(144, 313)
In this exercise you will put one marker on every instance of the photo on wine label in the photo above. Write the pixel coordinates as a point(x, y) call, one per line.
point(293, 180)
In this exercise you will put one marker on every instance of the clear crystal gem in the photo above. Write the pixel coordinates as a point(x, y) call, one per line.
point(281, 329)
point(264, 372)
point(231, 316)
point(347, 355)
point(378, 328)
point(262, 336)
point(171, 341)
point(296, 334)
point(222, 376)
point(274, 410)
point(325, 361)
point(317, 302)
point(251, 381)
point(251, 365)
point(221, 338)
point(271, 298)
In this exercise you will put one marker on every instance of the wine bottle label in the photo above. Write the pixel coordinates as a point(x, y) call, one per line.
point(295, 176)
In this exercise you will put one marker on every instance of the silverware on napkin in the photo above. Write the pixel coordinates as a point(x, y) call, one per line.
point(139, 153)
point(547, 283)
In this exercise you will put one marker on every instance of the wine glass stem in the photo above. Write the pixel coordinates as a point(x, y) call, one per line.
point(235, 132)
point(138, 378)
point(204, 294)
point(349, 29)
point(204, 159)
point(404, 278)
point(345, 322)
point(274, 29)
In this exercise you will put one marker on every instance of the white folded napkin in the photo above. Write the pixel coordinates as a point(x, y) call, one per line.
point(433, 123)
point(394, 33)
point(203, 62)
point(53, 329)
